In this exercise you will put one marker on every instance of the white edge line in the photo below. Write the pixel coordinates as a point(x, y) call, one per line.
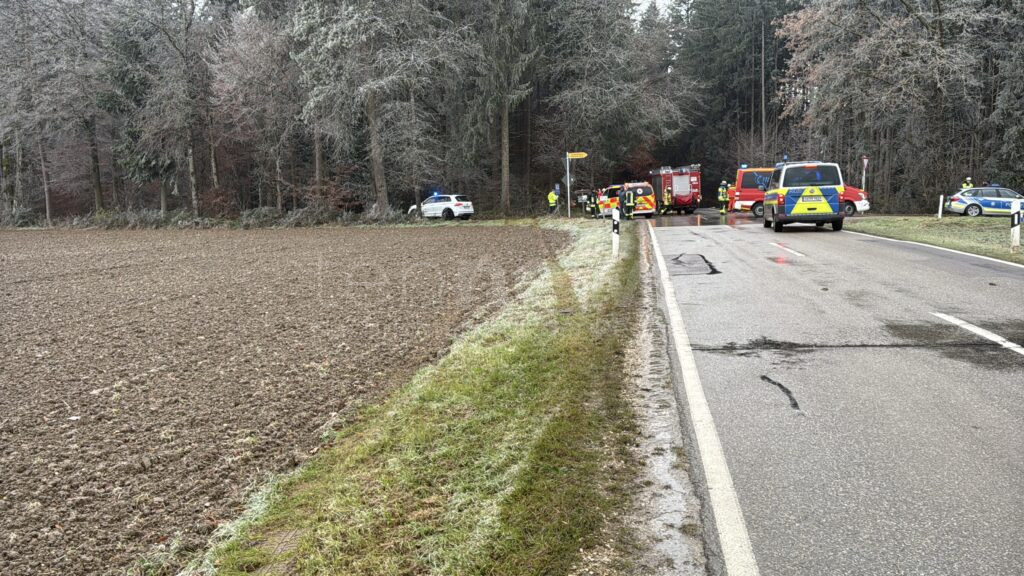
point(989, 258)
point(733, 539)
point(981, 332)
point(791, 251)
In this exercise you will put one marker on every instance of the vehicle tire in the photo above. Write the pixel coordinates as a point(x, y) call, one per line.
point(837, 225)
point(757, 210)
point(648, 216)
point(687, 210)
point(849, 209)
point(766, 223)
point(972, 210)
point(776, 225)
point(448, 214)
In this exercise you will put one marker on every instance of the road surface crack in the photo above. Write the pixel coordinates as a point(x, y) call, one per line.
point(789, 394)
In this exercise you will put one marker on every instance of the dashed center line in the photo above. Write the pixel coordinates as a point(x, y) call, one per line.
point(981, 332)
point(790, 250)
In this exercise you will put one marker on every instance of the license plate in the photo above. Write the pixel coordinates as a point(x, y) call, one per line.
point(813, 199)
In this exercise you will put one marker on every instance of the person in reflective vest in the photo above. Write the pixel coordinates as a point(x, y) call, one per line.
point(666, 201)
point(723, 196)
point(629, 197)
point(967, 183)
point(552, 202)
point(595, 207)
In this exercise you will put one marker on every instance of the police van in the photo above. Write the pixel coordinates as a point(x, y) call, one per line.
point(809, 192)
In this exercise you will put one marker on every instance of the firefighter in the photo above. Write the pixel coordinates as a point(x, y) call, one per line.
point(595, 204)
point(630, 202)
point(666, 200)
point(968, 183)
point(723, 196)
point(552, 202)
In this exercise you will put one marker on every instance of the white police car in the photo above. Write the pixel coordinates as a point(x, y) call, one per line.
point(446, 206)
point(983, 201)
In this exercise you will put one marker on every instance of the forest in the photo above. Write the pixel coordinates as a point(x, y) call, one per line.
point(224, 108)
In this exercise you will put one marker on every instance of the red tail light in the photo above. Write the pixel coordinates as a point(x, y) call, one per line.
point(458, 204)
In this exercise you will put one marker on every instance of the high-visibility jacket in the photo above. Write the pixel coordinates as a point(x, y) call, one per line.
point(630, 198)
point(966, 185)
point(723, 193)
point(667, 197)
point(552, 198)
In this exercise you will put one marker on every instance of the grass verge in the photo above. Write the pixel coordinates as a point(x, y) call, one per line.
point(504, 458)
point(985, 236)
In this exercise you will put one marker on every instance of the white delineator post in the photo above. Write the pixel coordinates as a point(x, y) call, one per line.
point(942, 199)
point(615, 233)
point(1015, 217)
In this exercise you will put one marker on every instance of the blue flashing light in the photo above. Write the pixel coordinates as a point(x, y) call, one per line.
point(743, 166)
point(785, 157)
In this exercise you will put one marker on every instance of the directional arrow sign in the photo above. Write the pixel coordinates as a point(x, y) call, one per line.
point(576, 155)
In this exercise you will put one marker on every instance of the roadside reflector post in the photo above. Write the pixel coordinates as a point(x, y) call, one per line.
point(615, 233)
point(1015, 218)
point(941, 200)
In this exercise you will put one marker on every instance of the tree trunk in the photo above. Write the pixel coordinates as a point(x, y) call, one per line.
point(505, 180)
point(318, 164)
point(377, 157)
point(192, 181)
point(277, 182)
point(46, 183)
point(94, 152)
point(213, 163)
point(163, 198)
point(115, 171)
point(18, 186)
point(5, 196)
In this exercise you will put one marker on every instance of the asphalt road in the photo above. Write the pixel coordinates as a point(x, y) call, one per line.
point(864, 434)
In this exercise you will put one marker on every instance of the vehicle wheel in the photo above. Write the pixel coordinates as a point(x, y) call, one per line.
point(776, 225)
point(688, 211)
point(648, 216)
point(973, 210)
point(849, 209)
point(448, 214)
point(758, 210)
point(837, 225)
point(766, 223)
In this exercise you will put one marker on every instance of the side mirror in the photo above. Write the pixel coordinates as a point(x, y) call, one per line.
point(762, 188)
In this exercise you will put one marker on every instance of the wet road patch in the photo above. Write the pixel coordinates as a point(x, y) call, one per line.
point(692, 265)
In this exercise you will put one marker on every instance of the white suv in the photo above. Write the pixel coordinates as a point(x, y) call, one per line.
point(445, 206)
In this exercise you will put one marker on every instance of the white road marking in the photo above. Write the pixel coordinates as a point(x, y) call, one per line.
point(997, 260)
point(981, 332)
point(737, 553)
point(790, 250)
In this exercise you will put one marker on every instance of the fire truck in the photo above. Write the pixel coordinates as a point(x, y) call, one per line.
point(685, 184)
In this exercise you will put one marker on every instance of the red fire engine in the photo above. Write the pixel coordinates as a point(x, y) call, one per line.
point(685, 184)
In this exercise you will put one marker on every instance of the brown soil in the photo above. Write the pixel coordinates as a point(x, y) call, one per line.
point(149, 379)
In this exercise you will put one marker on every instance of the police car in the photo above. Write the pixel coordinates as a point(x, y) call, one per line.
point(804, 192)
point(983, 201)
point(445, 206)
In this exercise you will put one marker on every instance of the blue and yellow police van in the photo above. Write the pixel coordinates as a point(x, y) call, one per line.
point(809, 192)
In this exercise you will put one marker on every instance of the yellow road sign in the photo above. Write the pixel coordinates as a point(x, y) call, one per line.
point(576, 155)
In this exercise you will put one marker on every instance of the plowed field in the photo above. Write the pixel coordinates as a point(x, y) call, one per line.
point(149, 379)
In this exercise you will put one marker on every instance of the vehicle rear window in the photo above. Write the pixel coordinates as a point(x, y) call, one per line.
point(755, 179)
point(644, 191)
point(811, 175)
point(462, 198)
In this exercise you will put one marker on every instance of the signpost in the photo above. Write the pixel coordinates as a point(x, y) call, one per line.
point(569, 156)
point(1015, 217)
